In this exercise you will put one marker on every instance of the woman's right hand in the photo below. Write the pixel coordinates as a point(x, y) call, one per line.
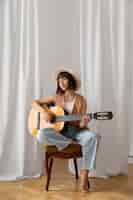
point(48, 116)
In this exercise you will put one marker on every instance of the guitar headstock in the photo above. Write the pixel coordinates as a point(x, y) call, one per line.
point(106, 115)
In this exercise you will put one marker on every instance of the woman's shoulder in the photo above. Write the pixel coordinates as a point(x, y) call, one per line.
point(58, 96)
point(80, 97)
point(59, 99)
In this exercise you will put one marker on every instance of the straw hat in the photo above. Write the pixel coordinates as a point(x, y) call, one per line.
point(74, 73)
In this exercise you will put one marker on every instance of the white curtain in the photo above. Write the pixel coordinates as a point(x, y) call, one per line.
point(130, 61)
point(106, 78)
point(20, 156)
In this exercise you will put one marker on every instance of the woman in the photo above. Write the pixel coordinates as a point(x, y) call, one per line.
point(67, 97)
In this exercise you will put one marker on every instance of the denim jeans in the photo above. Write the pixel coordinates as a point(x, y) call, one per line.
point(87, 139)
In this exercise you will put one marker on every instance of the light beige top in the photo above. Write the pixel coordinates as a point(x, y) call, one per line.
point(68, 106)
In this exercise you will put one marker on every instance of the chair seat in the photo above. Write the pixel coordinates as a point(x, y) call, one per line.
point(70, 151)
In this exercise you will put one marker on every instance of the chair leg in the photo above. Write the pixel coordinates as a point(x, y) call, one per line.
point(46, 164)
point(49, 173)
point(76, 168)
point(88, 184)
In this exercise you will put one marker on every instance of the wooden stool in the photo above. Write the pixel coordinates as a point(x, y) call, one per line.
point(71, 151)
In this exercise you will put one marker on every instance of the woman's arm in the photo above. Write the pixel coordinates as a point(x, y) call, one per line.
point(82, 123)
point(40, 105)
point(81, 108)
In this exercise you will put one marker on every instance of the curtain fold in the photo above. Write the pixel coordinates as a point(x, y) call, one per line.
point(107, 79)
point(20, 155)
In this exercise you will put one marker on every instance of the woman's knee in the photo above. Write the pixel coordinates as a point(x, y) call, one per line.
point(42, 136)
point(91, 136)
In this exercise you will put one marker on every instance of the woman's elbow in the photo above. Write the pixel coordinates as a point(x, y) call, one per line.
point(33, 103)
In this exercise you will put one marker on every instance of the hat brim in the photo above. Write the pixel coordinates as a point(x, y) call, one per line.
point(74, 73)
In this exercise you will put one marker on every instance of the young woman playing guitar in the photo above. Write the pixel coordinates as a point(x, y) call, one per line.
point(75, 131)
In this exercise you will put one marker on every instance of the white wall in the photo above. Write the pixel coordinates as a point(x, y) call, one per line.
point(59, 37)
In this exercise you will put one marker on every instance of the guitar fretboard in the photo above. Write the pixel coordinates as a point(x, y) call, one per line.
point(67, 118)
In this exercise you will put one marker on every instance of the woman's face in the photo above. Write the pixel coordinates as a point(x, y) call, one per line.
point(63, 83)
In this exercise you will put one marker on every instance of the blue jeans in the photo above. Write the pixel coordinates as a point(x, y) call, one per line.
point(87, 139)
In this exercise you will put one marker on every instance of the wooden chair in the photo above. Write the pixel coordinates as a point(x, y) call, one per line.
point(72, 151)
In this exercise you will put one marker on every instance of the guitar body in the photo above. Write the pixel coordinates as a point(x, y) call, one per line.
point(33, 120)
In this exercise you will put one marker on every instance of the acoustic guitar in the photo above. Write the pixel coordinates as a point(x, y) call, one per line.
point(37, 120)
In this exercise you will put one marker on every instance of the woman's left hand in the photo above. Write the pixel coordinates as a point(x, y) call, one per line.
point(85, 120)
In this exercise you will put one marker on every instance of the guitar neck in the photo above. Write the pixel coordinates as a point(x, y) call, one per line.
point(67, 118)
